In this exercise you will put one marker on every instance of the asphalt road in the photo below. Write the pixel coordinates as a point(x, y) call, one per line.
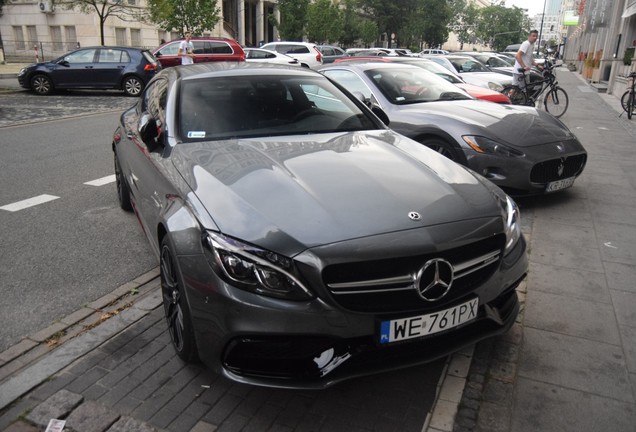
point(61, 254)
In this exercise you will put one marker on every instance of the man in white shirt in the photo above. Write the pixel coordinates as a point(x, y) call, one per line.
point(524, 59)
point(186, 50)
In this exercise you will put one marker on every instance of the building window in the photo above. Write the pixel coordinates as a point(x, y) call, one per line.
point(132, 2)
point(163, 36)
point(56, 38)
point(70, 37)
point(120, 36)
point(33, 36)
point(19, 37)
point(135, 37)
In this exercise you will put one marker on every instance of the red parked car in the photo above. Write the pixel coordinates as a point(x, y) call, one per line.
point(206, 49)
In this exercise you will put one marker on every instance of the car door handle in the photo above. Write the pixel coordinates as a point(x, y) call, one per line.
point(88, 67)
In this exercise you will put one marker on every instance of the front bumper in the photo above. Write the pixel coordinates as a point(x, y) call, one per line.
point(531, 174)
point(317, 343)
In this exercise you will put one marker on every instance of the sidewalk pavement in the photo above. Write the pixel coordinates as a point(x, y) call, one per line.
point(10, 70)
point(571, 363)
point(568, 364)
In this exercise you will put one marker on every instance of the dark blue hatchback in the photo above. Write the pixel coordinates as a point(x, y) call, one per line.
point(121, 68)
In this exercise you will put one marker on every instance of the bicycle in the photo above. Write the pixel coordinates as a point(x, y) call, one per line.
point(556, 99)
point(628, 100)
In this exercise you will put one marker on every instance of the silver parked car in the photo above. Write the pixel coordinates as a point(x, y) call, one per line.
point(521, 149)
point(301, 242)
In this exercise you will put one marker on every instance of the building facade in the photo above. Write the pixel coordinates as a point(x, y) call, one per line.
point(43, 29)
point(603, 38)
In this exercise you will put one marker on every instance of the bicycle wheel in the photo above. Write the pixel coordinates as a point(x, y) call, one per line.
point(556, 102)
point(624, 100)
point(625, 103)
point(516, 95)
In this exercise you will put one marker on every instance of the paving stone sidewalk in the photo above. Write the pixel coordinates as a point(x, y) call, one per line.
point(570, 362)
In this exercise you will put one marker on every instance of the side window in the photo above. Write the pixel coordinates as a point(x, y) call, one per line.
point(113, 56)
point(82, 56)
point(327, 51)
point(298, 49)
point(338, 51)
point(220, 48)
point(199, 47)
point(155, 100)
point(350, 81)
point(170, 50)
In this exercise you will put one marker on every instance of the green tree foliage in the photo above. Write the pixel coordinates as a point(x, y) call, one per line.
point(351, 22)
point(368, 31)
point(105, 9)
point(436, 15)
point(324, 22)
point(390, 16)
point(466, 17)
point(293, 18)
point(195, 16)
point(499, 26)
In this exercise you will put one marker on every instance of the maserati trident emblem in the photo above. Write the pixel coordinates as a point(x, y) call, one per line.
point(560, 168)
point(434, 280)
point(415, 216)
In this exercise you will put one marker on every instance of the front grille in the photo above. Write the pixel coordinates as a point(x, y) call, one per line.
point(548, 171)
point(387, 286)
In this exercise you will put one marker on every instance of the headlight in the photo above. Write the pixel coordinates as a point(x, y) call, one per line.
point(22, 72)
point(486, 145)
point(513, 224)
point(495, 86)
point(250, 268)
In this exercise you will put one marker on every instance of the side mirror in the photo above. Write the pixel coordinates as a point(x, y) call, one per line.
point(63, 62)
point(381, 114)
point(158, 54)
point(149, 131)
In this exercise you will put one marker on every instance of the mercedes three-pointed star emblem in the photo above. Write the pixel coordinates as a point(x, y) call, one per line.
point(434, 279)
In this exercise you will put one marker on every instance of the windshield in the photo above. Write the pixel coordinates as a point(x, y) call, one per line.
point(413, 85)
point(438, 70)
point(265, 105)
point(464, 64)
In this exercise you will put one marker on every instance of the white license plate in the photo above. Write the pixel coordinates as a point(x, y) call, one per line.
point(424, 325)
point(560, 184)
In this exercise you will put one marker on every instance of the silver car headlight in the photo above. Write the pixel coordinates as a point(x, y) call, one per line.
point(482, 144)
point(513, 224)
point(495, 86)
point(22, 72)
point(253, 269)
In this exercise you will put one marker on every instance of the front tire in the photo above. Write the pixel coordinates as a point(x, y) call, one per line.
point(516, 95)
point(175, 305)
point(442, 147)
point(123, 191)
point(42, 85)
point(133, 86)
point(556, 102)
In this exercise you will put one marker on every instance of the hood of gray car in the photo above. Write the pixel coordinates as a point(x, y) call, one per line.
point(512, 124)
point(288, 194)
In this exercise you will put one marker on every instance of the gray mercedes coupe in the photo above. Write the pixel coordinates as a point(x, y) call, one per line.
point(523, 150)
point(301, 242)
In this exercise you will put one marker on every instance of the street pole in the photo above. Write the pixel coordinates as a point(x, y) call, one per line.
point(541, 29)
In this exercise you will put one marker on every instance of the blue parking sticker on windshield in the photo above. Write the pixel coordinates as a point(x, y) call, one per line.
point(196, 134)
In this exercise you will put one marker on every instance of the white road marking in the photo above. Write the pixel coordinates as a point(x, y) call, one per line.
point(21, 205)
point(101, 181)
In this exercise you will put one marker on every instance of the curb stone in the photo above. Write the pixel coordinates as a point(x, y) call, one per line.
point(34, 359)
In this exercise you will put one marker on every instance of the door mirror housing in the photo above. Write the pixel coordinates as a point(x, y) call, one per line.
point(149, 131)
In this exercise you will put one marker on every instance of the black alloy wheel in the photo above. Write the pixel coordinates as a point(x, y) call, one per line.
point(175, 305)
point(41, 85)
point(123, 191)
point(133, 86)
point(442, 147)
